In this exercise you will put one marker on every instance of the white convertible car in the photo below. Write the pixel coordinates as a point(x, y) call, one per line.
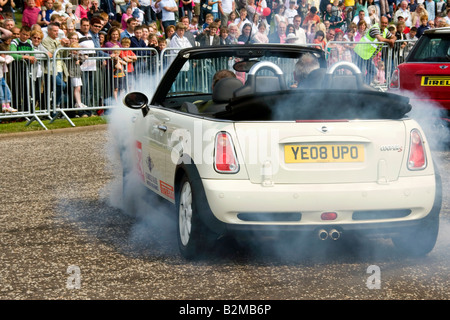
point(281, 143)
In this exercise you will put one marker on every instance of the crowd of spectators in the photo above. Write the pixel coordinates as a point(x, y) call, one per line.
point(47, 25)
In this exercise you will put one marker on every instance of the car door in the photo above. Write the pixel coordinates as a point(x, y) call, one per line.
point(152, 150)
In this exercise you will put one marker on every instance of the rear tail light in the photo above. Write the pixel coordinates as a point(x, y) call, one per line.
point(225, 160)
point(395, 80)
point(417, 159)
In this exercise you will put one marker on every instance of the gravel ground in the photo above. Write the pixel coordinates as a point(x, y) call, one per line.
point(59, 212)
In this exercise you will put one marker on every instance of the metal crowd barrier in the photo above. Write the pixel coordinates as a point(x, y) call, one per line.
point(102, 82)
point(381, 66)
point(37, 90)
point(26, 83)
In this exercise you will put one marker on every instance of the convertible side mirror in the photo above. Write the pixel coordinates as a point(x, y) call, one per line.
point(137, 100)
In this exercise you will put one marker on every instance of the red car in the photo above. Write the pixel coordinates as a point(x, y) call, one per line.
point(425, 74)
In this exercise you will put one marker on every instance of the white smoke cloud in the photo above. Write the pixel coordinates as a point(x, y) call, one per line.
point(429, 116)
point(154, 218)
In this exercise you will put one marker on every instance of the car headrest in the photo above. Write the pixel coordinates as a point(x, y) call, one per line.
point(267, 83)
point(224, 89)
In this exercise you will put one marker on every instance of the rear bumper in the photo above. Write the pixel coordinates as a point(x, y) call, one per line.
point(241, 205)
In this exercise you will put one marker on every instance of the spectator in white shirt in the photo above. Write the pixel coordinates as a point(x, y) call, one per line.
point(404, 12)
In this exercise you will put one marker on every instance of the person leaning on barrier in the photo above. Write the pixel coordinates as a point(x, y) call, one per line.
point(38, 71)
point(21, 68)
point(370, 44)
point(23, 43)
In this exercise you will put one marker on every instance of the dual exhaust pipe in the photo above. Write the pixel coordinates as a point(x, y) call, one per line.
point(332, 234)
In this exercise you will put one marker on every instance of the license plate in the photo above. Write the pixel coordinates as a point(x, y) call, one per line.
point(438, 81)
point(323, 153)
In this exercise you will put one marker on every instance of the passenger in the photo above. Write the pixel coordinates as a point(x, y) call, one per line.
point(219, 75)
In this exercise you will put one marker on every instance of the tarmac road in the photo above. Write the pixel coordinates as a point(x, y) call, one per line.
point(62, 236)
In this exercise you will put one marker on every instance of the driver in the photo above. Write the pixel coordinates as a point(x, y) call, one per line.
point(307, 73)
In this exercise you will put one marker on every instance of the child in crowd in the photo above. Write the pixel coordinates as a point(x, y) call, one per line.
point(5, 93)
point(193, 26)
point(170, 30)
point(74, 68)
point(209, 18)
point(232, 17)
point(153, 41)
point(423, 25)
point(30, 14)
point(380, 77)
point(46, 11)
point(223, 33)
point(127, 55)
point(162, 44)
point(136, 12)
point(125, 16)
point(59, 10)
point(119, 72)
point(411, 36)
point(261, 36)
point(319, 39)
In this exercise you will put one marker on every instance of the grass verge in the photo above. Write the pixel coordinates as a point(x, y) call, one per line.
point(14, 127)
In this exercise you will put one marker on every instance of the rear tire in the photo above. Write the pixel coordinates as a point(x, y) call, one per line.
point(420, 240)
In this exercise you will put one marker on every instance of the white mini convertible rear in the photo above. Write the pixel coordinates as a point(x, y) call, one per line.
point(256, 154)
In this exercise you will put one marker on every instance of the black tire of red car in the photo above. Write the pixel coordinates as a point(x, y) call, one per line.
point(421, 239)
point(194, 238)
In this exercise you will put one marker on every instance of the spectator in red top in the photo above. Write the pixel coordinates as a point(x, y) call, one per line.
point(30, 14)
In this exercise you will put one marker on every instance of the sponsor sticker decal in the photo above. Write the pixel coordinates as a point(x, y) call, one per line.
point(428, 81)
point(166, 189)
